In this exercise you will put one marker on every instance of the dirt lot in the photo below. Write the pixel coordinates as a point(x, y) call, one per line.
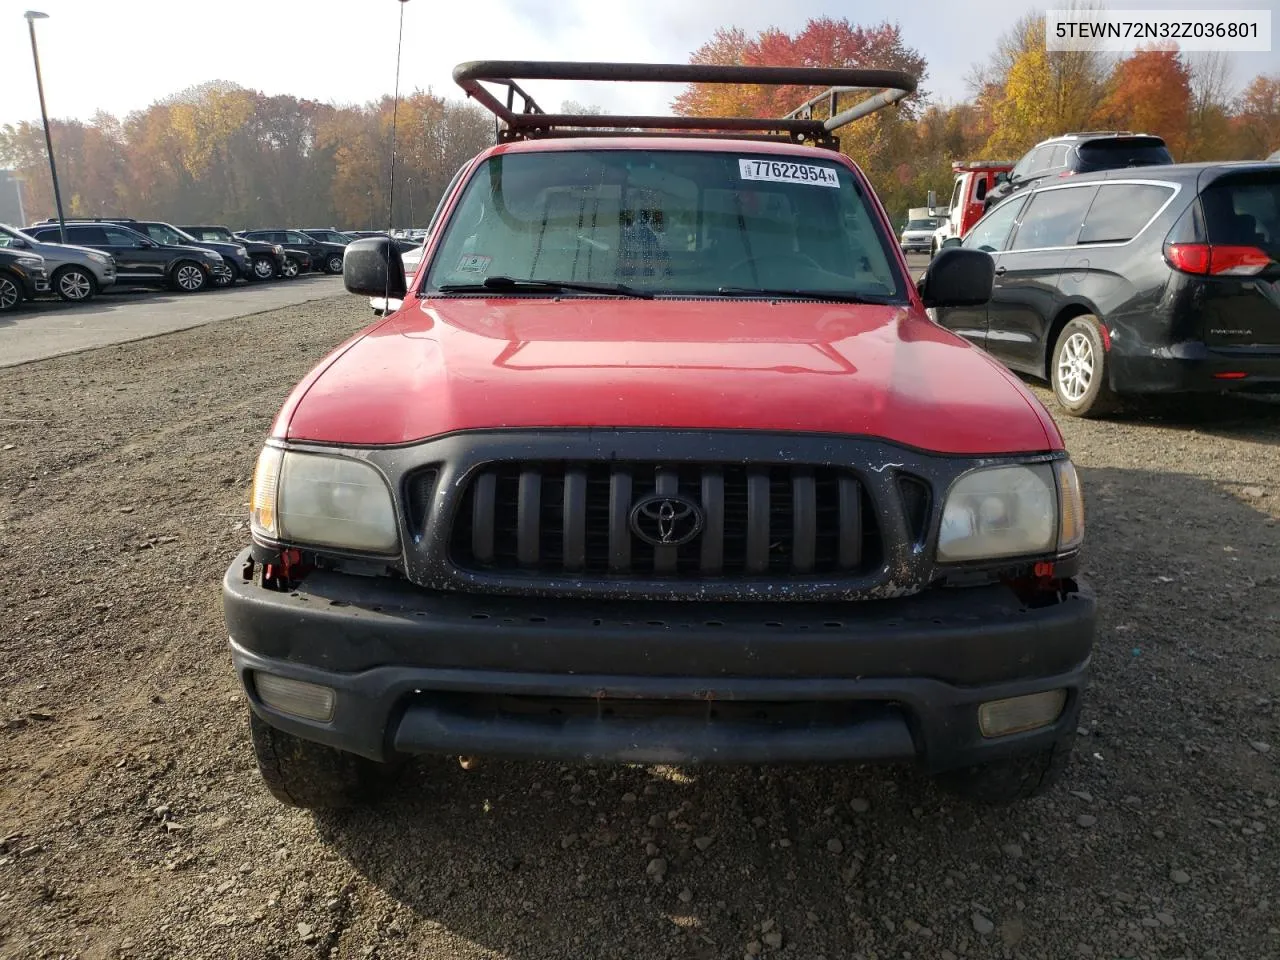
point(133, 823)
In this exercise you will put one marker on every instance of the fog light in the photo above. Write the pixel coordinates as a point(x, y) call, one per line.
point(297, 697)
point(999, 718)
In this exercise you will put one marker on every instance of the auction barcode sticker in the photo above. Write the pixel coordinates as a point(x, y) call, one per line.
point(784, 171)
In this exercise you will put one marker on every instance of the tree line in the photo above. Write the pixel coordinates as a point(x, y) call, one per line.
point(1021, 95)
point(220, 153)
point(225, 154)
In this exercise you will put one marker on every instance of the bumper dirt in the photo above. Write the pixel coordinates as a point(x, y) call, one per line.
point(427, 673)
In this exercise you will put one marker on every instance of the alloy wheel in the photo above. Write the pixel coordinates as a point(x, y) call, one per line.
point(290, 268)
point(263, 269)
point(9, 294)
point(190, 278)
point(74, 285)
point(1075, 367)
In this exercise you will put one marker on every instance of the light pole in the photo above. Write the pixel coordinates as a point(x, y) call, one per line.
point(409, 181)
point(32, 16)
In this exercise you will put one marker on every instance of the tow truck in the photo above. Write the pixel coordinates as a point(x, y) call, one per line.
point(973, 178)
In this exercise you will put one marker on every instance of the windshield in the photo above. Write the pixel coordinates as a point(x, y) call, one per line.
point(667, 222)
point(163, 233)
point(210, 234)
point(8, 235)
point(921, 225)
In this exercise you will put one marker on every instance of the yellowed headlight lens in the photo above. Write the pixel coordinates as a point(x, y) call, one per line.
point(1070, 506)
point(266, 478)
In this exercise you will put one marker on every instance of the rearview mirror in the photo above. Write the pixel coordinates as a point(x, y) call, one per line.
point(958, 277)
point(373, 267)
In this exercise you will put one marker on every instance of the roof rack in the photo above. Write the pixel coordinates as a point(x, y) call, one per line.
point(92, 220)
point(528, 121)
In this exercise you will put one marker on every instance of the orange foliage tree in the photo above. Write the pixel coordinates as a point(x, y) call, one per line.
point(1150, 92)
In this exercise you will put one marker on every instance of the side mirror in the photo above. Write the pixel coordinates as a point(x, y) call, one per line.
point(958, 278)
point(951, 242)
point(1002, 177)
point(373, 267)
point(17, 243)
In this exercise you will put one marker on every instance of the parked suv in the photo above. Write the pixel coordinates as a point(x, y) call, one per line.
point(139, 259)
point(1074, 153)
point(266, 260)
point(662, 461)
point(75, 273)
point(324, 256)
point(22, 277)
point(235, 256)
point(1135, 282)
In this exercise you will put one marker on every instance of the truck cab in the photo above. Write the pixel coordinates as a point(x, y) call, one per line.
point(973, 180)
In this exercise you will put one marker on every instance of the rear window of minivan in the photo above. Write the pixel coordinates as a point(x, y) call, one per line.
point(1112, 154)
point(1244, 211)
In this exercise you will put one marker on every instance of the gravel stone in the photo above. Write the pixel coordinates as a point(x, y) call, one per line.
point(859, 805)
point(1179, 877)
point(773, 939)
point(657, 868)
point(982, 925)
point(1012, 850)
point(835, 845)
point(1086, 820)
point(685, 895)
point(702, 842)
point(1260, 745)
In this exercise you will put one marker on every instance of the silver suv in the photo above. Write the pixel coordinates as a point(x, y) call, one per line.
point(75, 273)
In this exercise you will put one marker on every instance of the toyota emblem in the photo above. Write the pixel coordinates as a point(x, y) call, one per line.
point(666, 521)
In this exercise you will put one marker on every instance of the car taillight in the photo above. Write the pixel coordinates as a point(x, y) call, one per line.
point(1215, 260)
point(1066, 173)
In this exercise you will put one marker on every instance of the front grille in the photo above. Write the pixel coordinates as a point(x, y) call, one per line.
point(556, 517)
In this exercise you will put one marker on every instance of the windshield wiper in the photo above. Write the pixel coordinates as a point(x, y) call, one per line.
point(511, 283)
point(804, 294)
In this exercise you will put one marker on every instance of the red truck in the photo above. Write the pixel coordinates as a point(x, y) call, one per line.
point(660, 460)
point(973, 181)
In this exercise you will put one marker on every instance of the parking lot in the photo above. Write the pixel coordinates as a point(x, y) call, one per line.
point(135, 824)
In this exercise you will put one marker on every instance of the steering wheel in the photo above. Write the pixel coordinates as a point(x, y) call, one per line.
point(801, 258)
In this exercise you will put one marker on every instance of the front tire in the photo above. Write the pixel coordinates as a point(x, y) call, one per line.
point(75, 284)
point(301, 773)
point(264, 268)
point(334, 263)
point(10, 293)
point(189, 277)
point(1000, 782)
point(1078, 369)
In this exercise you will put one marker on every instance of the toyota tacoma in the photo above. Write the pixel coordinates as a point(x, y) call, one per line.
point(661, 460)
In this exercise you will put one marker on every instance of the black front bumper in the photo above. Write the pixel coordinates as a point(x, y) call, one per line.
point(450, 673)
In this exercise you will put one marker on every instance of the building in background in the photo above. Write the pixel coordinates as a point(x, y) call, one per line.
point(11, 199)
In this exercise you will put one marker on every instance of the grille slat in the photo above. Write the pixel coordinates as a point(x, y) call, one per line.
point(804, 526)
point(619, 521)
point(528, 517)
point(575, 519)
point(779, 522)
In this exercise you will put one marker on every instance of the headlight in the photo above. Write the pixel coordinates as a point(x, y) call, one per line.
point(98, 257)
point(278, 249)
point(30, 262)
point(322, 500)
point(241, 252)
point(1011, 511)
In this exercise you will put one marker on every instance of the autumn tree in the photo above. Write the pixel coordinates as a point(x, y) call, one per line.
point(1257, 117)
point(1041, 93)
point(1150, 92)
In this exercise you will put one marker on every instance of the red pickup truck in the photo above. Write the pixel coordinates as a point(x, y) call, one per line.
point(661, 460)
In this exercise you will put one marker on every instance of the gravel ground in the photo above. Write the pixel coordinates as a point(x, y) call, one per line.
point(132, 822)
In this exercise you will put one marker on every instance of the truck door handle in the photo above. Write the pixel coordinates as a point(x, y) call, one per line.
point(1000, 271)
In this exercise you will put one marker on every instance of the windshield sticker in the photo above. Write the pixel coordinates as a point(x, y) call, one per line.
point(474, 263)
point(781, 171)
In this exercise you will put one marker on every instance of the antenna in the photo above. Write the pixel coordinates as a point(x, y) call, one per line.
point(391, 199)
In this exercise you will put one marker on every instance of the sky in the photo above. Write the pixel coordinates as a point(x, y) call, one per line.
point(121, 55)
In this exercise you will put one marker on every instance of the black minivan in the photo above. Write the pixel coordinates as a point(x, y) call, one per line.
point(1159, 280)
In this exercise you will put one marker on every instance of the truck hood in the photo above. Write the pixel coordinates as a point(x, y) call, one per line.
point(449, 364)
